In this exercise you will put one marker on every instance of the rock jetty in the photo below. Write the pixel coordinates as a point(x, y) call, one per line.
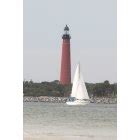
point(104, 100)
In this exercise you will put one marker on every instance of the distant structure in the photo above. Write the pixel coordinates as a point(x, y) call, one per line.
point(65, 73)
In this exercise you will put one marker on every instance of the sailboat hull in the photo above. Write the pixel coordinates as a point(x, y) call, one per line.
point(78, 102)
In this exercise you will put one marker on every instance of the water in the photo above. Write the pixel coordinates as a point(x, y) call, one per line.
point(56, 121)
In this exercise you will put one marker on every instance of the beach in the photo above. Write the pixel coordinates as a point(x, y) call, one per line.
point(72, 138)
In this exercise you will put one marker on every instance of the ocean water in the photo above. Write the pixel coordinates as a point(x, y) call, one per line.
point(58, 121)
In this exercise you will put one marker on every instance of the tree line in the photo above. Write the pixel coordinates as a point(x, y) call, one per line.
point(54, 88)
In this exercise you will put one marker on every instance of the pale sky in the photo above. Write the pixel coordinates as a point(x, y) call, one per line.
point(93, 29)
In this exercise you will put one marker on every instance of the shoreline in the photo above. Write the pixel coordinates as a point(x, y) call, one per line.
point(71, 138)
point(98, 100)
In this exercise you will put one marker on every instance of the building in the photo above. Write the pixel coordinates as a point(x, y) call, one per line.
point(65, 73)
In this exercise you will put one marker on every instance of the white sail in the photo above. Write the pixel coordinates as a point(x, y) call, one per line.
point(75, 81)
point(79, 90)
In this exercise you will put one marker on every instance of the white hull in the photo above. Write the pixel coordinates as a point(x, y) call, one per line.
point(77, 102)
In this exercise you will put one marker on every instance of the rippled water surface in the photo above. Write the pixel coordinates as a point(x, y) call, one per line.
point(56, 121)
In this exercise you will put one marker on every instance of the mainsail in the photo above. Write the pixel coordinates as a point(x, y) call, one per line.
point(79, 90)
point(75, 81)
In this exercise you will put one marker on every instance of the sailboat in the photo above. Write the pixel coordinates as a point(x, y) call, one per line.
point(79, 95)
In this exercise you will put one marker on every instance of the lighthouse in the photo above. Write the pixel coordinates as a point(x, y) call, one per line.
point(65, 72)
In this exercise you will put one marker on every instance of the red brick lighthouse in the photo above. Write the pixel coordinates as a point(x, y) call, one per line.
point(65, 74)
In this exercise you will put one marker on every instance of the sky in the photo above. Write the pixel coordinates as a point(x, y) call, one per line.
point(93, 30)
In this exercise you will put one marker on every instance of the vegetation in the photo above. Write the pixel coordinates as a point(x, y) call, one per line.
point(53, 88)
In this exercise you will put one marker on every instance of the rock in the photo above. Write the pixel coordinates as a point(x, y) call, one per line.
point(97, 100)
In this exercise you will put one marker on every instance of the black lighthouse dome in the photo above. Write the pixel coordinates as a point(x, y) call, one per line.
point(66, 34)
point(66, 28)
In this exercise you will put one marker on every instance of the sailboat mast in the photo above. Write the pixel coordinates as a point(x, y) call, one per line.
point(79, 69)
